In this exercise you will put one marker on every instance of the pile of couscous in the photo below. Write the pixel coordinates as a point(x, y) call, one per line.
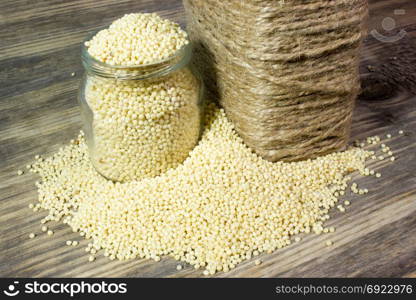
point(222, 206)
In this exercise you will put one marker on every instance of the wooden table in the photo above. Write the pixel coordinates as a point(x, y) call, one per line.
point(40, 48)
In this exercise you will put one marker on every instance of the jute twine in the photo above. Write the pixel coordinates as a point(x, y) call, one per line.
point(285, 71)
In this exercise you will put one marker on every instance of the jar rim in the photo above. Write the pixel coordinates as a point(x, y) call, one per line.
point(131, 72)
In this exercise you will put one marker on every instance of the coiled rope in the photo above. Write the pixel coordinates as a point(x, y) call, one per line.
point(286, 72)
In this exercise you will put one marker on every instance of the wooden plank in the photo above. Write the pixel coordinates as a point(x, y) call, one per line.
point(57, 25)
point(39, 50)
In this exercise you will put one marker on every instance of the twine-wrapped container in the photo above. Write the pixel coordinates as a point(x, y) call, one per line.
point(286, 72)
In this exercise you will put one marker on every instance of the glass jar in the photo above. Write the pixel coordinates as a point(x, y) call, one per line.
point(140, 121)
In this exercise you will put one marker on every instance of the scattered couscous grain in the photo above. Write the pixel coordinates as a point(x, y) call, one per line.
point(32, 235)
point(91, 258)
point(74, 243)
point(328, 243)
point(68, 243)
point(222, 193)
point(50, 232)
point(257, 262)
point(19, 172)
point(44, 228)
point(179, 267)
point(341, 208)
point(401, 132)
point(378, 175)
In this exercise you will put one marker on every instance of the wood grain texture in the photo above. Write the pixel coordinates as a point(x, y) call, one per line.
point(39, 49)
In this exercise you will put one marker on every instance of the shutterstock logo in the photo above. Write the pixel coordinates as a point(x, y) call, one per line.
point(12, 289)
point(389, 24)
point(65, 288)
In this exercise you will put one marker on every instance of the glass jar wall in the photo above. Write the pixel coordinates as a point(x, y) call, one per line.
point(140, 121)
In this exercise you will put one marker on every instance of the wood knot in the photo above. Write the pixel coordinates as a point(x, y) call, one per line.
point(376, 87)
